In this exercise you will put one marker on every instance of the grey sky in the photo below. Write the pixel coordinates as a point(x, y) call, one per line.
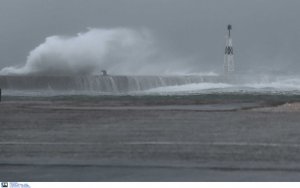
point(266, 33)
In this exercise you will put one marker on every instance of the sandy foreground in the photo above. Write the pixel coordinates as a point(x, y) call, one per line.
point(86, 141)
point(288, 107)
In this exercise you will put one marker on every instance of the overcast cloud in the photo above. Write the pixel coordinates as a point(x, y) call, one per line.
point(266, 33)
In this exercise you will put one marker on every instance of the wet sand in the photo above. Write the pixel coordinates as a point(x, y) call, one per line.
point(287, 107)
point(90, 141)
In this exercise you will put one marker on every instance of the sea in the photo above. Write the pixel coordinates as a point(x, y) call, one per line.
point(203, 88)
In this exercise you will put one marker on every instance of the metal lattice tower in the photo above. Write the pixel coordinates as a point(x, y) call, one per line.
point(229, 66)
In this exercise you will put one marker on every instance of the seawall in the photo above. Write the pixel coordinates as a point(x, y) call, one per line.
point(119, 84)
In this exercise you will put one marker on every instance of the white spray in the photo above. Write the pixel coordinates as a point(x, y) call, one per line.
point(119, 51)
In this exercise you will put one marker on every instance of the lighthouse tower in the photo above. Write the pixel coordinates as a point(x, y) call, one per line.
point(229, 67)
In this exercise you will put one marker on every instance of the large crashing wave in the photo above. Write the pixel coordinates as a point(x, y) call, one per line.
point(119, 51)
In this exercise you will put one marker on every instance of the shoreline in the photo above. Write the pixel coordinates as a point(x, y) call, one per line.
point(213, 102)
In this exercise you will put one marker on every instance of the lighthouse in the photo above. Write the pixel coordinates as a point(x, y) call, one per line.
point(229, 66)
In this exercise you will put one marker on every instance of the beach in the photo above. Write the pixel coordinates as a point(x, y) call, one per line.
point(148, 140)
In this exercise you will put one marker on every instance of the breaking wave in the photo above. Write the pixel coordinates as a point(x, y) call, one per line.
point(189, 88)
point(276, 86)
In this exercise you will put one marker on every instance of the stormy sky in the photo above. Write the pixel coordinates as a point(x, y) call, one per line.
point(266, 33)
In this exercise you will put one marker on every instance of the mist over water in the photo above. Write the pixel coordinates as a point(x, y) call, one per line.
point(119, 51)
